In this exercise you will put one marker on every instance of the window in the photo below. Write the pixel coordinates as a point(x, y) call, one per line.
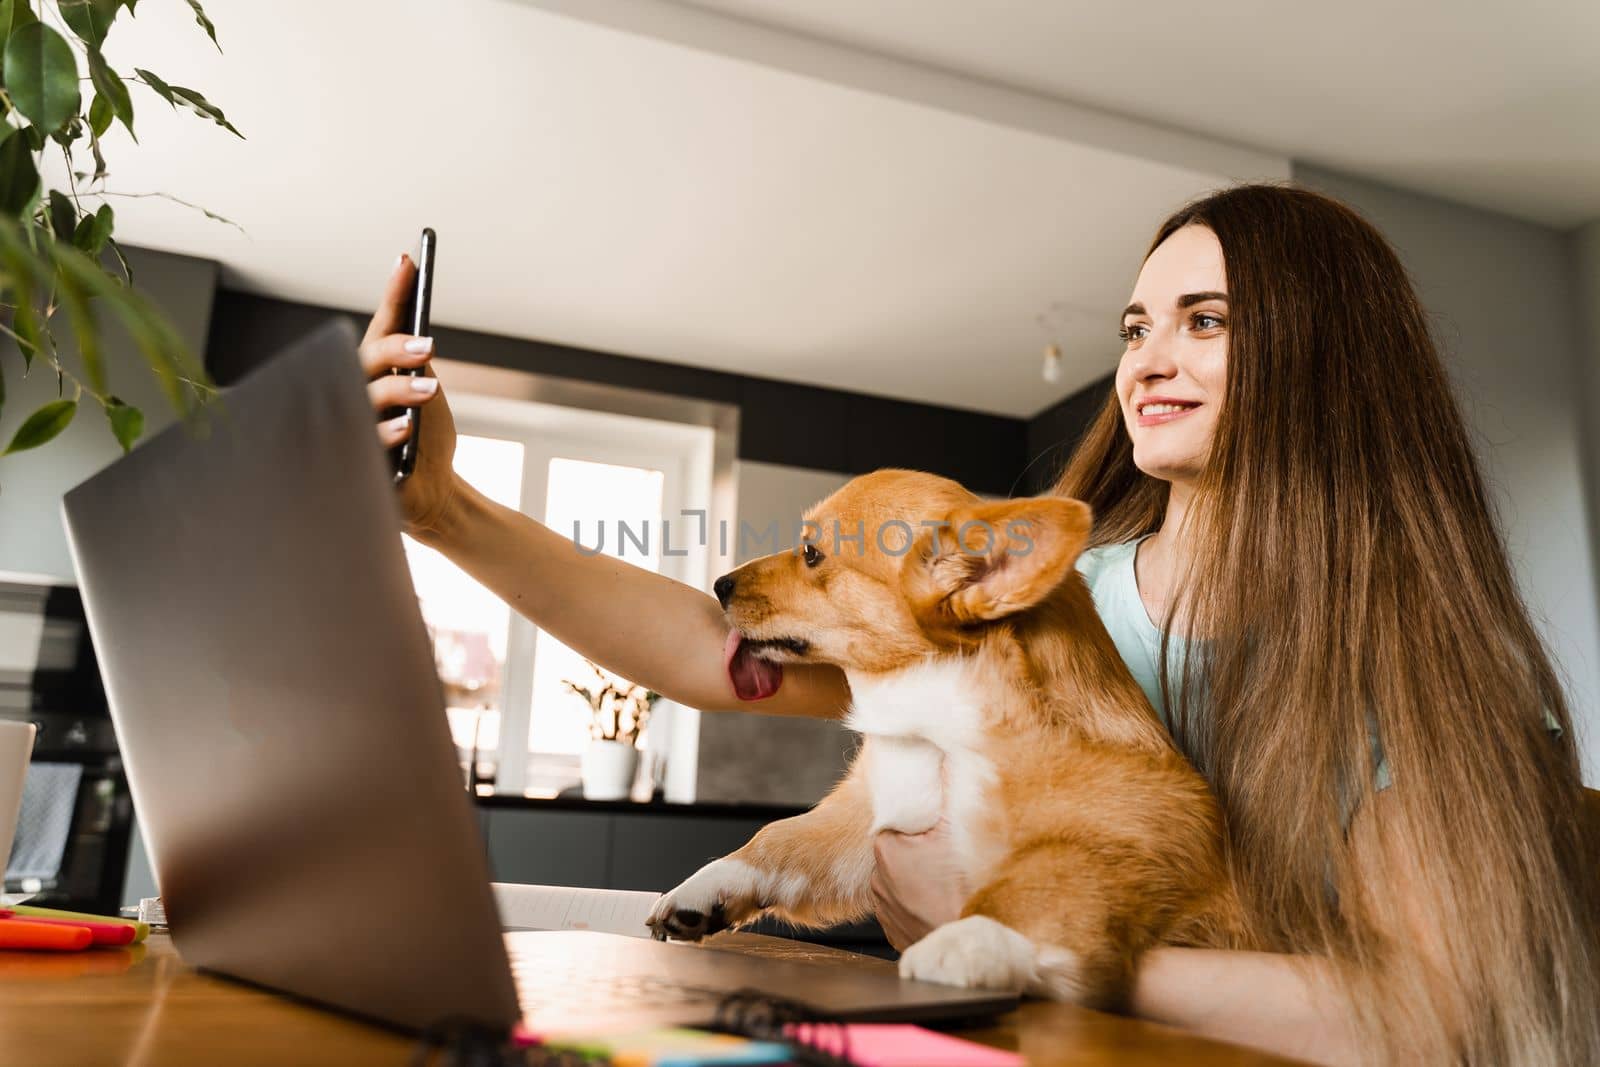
point(470, 625)
point(583, 495)
point(593, 472)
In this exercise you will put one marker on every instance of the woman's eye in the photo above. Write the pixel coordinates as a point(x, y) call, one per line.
point(812, 556)
point(1132, 332)
point(1205, 321)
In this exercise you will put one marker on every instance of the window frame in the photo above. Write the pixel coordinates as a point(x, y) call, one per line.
point(559, 418)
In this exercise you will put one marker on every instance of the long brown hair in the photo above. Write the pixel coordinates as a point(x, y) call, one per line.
point(1348, 589)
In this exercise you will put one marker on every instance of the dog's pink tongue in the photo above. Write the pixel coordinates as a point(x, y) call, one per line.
point(753, 679)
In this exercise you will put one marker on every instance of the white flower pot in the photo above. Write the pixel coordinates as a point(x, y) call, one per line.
point(608, 770)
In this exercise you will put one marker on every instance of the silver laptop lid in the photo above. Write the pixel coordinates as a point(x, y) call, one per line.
point(273, 691)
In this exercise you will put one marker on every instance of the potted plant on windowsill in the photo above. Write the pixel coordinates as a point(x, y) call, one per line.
point(620, 711)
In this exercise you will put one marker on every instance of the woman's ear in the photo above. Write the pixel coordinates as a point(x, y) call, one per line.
point(994, 559)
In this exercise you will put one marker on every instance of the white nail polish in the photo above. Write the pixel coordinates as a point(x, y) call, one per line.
point(399, 423)
point(425, 386)
point(419, 346)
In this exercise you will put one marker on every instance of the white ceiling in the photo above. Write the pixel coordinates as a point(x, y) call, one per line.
point(1490, 102)
point(613, 190)
point(662, 180)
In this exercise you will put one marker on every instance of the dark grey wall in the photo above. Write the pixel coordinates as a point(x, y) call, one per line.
point(31, 483)
point(1583, 246)
point(780, 422)
point(1055, 432)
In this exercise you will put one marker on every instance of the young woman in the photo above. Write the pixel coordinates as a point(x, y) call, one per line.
point(1295, 556)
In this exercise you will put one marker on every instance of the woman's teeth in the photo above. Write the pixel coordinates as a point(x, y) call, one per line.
point(1164, 409)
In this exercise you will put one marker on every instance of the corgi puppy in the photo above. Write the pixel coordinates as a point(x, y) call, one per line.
point(985, 688)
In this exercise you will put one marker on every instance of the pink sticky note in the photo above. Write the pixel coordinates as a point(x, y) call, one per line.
point(902, 1045)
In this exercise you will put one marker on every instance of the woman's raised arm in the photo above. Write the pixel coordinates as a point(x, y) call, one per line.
point(651, 630)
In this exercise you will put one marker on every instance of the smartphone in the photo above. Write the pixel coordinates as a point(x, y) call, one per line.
point(403, 456)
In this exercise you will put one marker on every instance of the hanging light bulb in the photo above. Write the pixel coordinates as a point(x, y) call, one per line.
point(1052, 364)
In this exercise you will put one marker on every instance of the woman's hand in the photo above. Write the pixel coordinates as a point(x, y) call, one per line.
point(426, 496)
point(917, 883)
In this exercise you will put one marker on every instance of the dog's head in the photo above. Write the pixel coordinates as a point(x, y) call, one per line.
point(895, 566)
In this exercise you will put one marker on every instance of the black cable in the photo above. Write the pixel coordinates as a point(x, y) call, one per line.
point(754, 1014)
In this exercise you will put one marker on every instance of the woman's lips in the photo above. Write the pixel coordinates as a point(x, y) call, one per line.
point(752, 678)
point(1165, 415)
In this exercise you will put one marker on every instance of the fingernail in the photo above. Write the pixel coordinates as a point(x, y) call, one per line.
point(419, 346)
point(395, 425)
point(401, 258)
point(425, 386)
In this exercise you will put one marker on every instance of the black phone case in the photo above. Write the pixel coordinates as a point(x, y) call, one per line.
point(403, 456)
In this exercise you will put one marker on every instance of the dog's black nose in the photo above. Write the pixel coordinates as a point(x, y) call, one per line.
point(723, 587)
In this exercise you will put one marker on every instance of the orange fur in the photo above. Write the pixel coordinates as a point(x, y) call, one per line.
point(1093, 839)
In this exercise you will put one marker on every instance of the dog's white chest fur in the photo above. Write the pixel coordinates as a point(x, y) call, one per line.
point(924, 728)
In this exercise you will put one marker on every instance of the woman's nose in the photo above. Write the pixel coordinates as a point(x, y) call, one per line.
point(1154, 361)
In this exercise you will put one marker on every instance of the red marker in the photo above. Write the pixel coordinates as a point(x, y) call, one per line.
point(78, 918)
point(103, 933)
point(54, 937)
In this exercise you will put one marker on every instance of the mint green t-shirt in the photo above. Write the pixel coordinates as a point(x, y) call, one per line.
point(1109, 572)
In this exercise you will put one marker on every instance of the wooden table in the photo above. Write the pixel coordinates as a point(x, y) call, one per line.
point(144, 1007)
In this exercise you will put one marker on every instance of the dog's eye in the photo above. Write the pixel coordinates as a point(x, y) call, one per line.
point(812, 556)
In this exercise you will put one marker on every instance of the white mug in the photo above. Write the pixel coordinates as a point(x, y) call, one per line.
point(16, 748)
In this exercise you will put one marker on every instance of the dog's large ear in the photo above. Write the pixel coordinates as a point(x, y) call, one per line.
point(994, 559)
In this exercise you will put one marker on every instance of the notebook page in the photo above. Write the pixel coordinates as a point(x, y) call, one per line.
point(553, 907)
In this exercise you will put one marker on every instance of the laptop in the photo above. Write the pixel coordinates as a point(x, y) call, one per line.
point(272, 686)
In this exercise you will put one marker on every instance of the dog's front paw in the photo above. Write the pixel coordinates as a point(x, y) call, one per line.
point(720, 895)
point(976, 952)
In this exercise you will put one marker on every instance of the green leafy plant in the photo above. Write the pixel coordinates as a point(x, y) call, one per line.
point(58, 256)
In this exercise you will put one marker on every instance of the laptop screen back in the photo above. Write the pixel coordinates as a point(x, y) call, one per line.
point(273, 691)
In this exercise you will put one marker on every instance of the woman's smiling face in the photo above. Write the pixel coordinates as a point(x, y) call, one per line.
point(1174, 369)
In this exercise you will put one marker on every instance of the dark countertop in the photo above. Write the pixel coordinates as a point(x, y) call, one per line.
point(762, 812)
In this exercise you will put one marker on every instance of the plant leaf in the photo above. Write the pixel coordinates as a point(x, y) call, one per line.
point(89, 19)
point(127, 423)
point(14, 14)
point(158, 341)
point(201, 106)
point(19, 181)
point(99, 160)
point(100, 115)
point(41, 75)
point(161, 88)
point(68, 133)
point(86, 327)
point(122, 261)
point(94, 230)
point(42, 426)
point(110, 87)
point(63, 216)
point(109, 84)
point(25, 324)
point(205, 23)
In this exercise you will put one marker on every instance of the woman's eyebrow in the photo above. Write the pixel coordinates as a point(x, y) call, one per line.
point(1186, 300)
